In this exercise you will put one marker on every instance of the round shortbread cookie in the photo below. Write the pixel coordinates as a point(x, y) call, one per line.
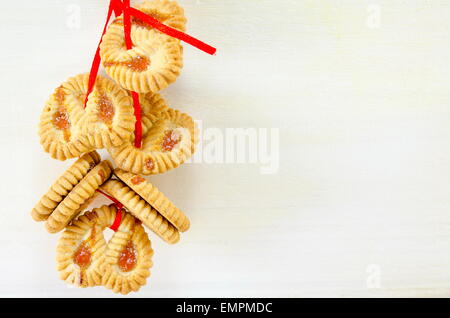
point(168, 140)
point(63, 185)
point(79, 198)
point(155, 198)
point(140, 209)
point(155, 60)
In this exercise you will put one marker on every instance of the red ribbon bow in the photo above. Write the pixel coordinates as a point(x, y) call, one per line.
point(123, 6)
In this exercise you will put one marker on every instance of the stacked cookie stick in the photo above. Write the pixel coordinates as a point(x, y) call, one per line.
point(82, 116)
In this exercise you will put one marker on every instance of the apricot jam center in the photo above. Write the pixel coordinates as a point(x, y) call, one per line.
point(82, 256)
point(149, 164)
point(105, 109)
point(137, 180)
point(128, 258)
point(171, 139)
point(61, 119)
point(136, 64)
point(61, 116)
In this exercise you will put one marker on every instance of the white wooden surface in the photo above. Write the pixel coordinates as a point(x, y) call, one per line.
point(359, 91)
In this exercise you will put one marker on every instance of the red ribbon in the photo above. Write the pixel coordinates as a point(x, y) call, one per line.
point(123, 6)
point(117, 221)
point(138, 125)
point(134, 95)
point(119, 206)
point(117, 7)
point(127, 24)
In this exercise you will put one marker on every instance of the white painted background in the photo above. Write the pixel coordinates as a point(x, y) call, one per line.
point(361, 198)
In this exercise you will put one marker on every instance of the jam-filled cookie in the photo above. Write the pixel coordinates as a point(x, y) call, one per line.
point(81, 250)
point(140, 209)
point(168, 12)
point(68, 129)
point(108, 119)
point(155, 60)
point(128, 259)
point(155, 198)
point(85, 259)
point(63, 185)
point(79, 198)
point(58, 127)
point(168, 140)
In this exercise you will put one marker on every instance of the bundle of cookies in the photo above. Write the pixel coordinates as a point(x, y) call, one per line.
point(126, 116)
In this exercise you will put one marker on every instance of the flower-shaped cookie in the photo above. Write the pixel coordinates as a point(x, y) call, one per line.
point(168, 139)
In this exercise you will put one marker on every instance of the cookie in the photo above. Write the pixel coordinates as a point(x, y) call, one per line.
point(67, 129)
point(140, 209)
point(85, 259)
point(63, 185)
point(79, 198)
point(128, 259)
point(153, 63)
point(168, 140)
point(108, 119)
point(167, 12)
point(81, 250)
point(58, 130)
point(155, 198)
